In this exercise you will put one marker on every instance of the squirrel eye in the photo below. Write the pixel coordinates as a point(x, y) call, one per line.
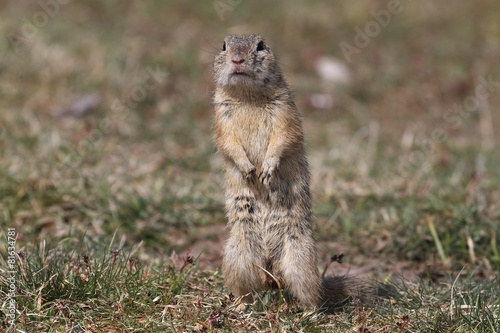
point(224, 46)
point(260, 46)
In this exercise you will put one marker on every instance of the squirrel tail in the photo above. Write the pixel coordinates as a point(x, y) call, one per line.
point(340, 289)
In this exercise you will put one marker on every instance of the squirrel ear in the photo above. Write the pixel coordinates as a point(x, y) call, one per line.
point(260, 46)
point(224, 46)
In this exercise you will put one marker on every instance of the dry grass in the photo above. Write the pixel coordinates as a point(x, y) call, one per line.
point(405, 183)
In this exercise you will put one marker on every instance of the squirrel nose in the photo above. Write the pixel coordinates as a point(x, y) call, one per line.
point(238, 60)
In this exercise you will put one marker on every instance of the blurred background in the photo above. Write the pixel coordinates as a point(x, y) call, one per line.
point(105, 125)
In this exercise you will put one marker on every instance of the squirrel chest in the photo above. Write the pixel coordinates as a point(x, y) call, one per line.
point(251, 126)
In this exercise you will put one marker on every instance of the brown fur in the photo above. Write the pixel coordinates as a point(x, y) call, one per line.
point(258, 131)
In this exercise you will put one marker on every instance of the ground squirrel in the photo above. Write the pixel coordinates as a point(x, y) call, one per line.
point(258, 132)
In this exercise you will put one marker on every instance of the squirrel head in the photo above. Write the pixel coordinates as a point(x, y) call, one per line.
point(246, 62)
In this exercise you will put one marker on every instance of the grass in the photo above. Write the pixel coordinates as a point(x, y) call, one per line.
point(99, 289)
point(119, 215)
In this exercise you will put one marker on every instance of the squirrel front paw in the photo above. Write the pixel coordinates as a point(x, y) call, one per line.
point(248, 171)
point(269, 168)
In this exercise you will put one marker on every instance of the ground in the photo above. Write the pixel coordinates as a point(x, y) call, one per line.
point(111, 190)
